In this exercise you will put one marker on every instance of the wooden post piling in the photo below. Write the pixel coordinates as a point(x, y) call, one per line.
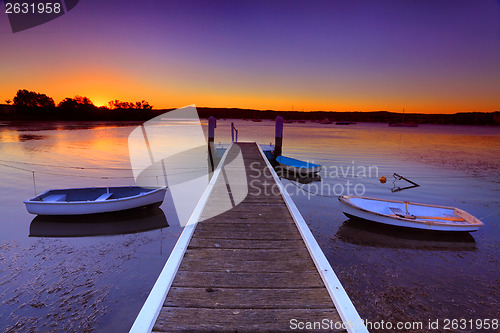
point(278, 136)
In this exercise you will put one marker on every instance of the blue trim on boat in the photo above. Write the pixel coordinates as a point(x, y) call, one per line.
point(288, 161)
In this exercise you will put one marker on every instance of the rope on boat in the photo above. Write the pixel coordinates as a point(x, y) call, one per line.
point(482, 218)
point(34, 183)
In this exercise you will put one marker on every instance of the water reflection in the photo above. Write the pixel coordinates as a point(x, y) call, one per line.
point(118, 223)
point(29, 137)
point(378, 235)
point(431, 283)
point(297, 178)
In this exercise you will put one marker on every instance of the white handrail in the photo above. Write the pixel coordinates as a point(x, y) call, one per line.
point(152, 307)
point(348, 313)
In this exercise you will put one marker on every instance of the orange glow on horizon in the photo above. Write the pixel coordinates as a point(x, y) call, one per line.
point(99, 101)
point(103, 84)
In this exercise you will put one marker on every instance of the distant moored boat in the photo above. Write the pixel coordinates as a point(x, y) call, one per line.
point(403, 123)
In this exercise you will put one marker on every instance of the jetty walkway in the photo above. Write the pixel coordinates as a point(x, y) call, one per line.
point(253, 268)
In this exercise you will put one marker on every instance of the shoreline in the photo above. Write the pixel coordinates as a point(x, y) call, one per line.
point(9, 114)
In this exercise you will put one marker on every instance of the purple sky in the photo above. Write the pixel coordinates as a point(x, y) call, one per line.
point(425, 56)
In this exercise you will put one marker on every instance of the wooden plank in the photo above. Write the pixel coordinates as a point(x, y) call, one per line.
point(177, 319)
point(252, 234)
point(246, 227)
point(238, 298)
point(221, 265)
point(224, 243)
point(263, 199)
point(258, 218)
point(229, 279)
point(238, 255)
point(255, 210)
point(258, 206)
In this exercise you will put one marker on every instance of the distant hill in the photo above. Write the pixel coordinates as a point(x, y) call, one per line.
point(8, 112)
point(463, 118)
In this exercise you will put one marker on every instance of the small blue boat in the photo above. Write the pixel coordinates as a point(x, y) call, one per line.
point(297, 166)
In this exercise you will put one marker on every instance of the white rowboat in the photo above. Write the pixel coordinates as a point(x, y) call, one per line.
point(409, 214)
point(94, 200)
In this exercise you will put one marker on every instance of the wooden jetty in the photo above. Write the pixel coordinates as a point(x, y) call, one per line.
point(253, 268)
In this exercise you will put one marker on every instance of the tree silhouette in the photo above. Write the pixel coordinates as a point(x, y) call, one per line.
point(25, 100)
point(117, 104)
point(79, 105)
point(145, 105)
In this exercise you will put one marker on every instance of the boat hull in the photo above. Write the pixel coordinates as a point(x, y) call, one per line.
point(38, 207)
point(301, 171)
point(351, 210)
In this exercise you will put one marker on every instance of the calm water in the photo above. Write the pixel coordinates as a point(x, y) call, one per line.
point(99, 282)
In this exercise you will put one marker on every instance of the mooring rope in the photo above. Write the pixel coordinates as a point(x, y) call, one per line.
point(192, 170)
point(71, 167)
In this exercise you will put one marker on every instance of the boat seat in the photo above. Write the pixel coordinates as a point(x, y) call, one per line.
point(54, 197)
point(399, 212)
point(104, 197)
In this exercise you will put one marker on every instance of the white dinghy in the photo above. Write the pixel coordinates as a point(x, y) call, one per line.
point(94, 200)
point(409, 214)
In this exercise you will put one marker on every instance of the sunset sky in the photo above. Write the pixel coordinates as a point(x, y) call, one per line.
point(424, 56)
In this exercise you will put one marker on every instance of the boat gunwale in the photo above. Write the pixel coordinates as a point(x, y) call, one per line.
point(81, 202)
point(346, 199)
point(310, 164)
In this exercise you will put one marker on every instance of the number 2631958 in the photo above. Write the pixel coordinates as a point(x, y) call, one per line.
point(33, 8)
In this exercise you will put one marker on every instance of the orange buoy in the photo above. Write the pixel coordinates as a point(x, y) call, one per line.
point(383, 179)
